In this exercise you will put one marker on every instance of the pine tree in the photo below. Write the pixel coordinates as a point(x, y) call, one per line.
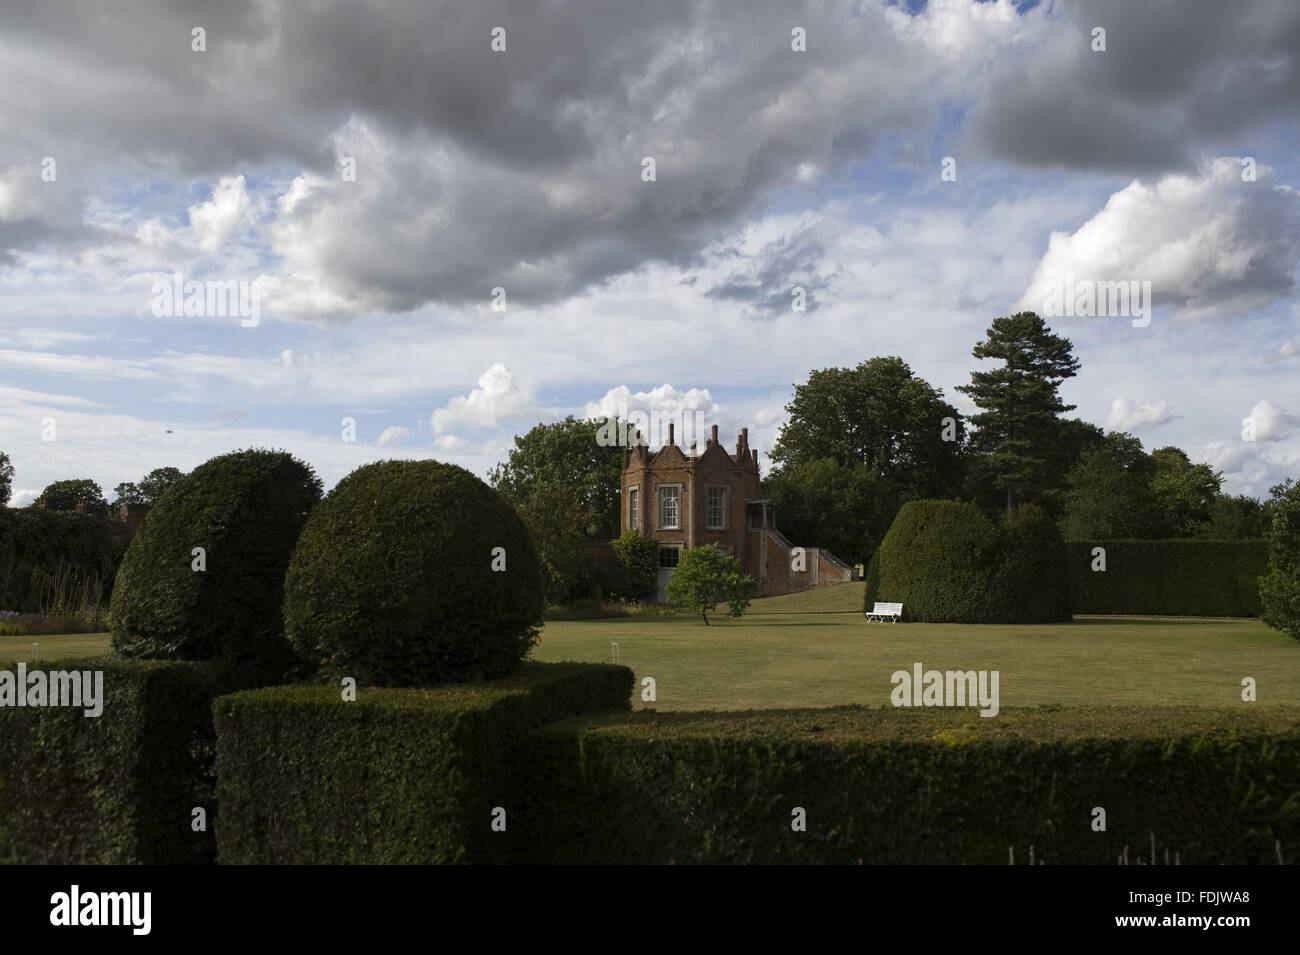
point(1020, 403)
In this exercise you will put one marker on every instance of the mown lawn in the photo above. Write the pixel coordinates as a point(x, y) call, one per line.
point(790, 652)
point(772, 657)
point(53, 646)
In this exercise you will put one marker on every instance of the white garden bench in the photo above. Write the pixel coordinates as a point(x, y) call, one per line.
point(881, 611)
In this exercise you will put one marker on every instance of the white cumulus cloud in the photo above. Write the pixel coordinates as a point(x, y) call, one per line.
point(393, 435)
point(1271, 422)
point(498, 397)
point(1209, 244)
point(213, 222)
point(694, 411)
point(449, 442)
point(1126, 415)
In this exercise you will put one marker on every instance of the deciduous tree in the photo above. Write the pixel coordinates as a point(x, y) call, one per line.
point(1108, 493)
point(706, 577)
point(66, 495)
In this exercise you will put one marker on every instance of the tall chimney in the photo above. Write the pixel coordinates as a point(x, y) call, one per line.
point(754, 452)
point(714, 439)
point(671, 426)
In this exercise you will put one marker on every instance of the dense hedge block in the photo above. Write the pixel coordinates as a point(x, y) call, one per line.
point(399, 775)
point(413, 573)
point(915, 786)
point(872, 579)
point(118, 788)
point(948, 563)
point(245, 510)
point(35, 543)
point(1197, 578)
point(1034, 569)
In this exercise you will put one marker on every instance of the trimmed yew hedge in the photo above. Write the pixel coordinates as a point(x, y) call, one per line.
point(398, 775)
point(413, 573)
point(1198, 578)
point(245, 509)
point(948, 563)
point(118, 788)
point(936, 786)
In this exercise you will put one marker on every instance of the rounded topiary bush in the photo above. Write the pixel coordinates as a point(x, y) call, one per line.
point(946, 562)
point(245, 510)
point(1035, 572)
point(398, 581)
point(940, 559)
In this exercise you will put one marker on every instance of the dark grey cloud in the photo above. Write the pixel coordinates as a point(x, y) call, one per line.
point(475, 169)
point(1179, 78)
point(522, 169)
point(773, 272)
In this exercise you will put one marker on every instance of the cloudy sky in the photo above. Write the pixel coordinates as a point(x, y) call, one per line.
point(917, 169)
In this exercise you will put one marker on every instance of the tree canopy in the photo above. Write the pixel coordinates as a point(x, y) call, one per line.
point(1108, 493)
point(564, 485)
point(566, 455)
point(858, 443)
point(1184, 492)
point(878, 414)
point(66, 495)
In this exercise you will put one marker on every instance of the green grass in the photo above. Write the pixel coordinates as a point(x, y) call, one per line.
point(816, 660)
point(837, 598)
point(775, 656)
point(55, 646)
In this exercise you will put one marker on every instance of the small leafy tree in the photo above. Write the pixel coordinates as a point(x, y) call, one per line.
point(638, 564)
point(706, 577)
point(1279, 590)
